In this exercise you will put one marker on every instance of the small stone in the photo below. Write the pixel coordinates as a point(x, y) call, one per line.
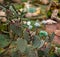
point(2, 13)
point(32, 33)
point(3, 19)
point(45, 1)
point(1, 1)
point(28, 15)
point(46, 43)
point(24, 22)
point(50, 21)
point(13, 21)
point(55, 15)
point(44, 22)
point(34, 14)
point(57, 32)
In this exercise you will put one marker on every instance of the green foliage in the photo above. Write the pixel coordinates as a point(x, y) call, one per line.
point(51, 37)
point(24, 0)
point(4, 41)
point(13, 10)
point(20, 40)
point(3, 27)
point(40, 53)
point(32, 54)
point(15, 54)
point(43, 34)
point(26, 36)
point(37, 43)
point(49, 13)
point(18, 6)
point(58, 50)
point(21, 45)
point(16, 30)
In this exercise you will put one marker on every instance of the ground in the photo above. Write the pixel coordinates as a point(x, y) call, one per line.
point(53, 28)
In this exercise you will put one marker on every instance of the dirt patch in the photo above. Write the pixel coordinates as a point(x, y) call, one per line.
point(53, 28)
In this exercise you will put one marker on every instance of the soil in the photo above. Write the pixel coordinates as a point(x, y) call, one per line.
point(52, 28)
